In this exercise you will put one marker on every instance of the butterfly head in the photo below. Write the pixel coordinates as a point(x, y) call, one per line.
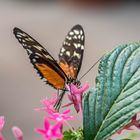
point(76, 82)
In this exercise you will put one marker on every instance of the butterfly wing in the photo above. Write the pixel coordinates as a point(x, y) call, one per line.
point(71, 53)
point(42, 61)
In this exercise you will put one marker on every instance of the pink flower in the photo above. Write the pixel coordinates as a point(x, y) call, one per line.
point(2, 122)
point(48, 104)
point(1, 136)
point(76, 95)
point(134, 122)
point(17, 133)
point(50, 131)
point(61, 117)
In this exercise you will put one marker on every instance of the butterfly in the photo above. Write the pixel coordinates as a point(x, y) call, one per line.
point(56, 74)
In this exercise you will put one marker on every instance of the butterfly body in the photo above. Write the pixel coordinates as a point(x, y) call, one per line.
point(70, 57)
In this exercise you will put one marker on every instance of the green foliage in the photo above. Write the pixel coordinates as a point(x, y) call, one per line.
point(76, 135)
point(116, 98)
point(126, 139)
point(134, 135)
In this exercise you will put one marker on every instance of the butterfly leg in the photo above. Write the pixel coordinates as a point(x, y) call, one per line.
point(59, 100)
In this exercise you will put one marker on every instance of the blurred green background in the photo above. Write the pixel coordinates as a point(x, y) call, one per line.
point(106, 24)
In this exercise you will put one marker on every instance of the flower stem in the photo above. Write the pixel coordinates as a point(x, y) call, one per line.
point(69, 126)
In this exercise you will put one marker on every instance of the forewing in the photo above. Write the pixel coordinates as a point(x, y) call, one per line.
point(71, 53)
point(42, 61)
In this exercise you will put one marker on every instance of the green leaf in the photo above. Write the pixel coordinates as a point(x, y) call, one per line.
point(116, 98)
point(73, 135)
point(125, 139)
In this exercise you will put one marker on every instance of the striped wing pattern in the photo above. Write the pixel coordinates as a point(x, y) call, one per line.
point(71, 53)
point(70, 56)
point(42, 61)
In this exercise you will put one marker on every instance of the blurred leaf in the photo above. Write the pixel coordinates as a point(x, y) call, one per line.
point(75, 135)
point(133, 135)
point(116, 98)
point(126, 139)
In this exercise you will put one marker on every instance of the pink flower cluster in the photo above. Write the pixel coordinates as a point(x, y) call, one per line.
point(16, 131)
point(53, 121)
point(76, 95)
point(55, 131)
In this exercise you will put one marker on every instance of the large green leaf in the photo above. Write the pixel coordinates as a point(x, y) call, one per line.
point(116, 97)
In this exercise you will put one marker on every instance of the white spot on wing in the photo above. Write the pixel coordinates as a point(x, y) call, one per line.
point(48, 56)
point(75, 37)
point(29, 51)
point(62, 49)
point(81, 32)
point(25, 45)
point(76, 54)
point(21, 34)
point(82, 37)
point(76, 46)
point(68, 37)
point(61, 54)
point(18, 35)
point(34, 60)
point(66, 43)
point(82, 47)
point(38, 47)
point(79, 36)
point(29, 39)
point(71, 33)
point(38, 54)
point(79, 45)
point(76, 32)
point(67, 53)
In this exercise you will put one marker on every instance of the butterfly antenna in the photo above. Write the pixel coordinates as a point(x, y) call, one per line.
point(90, 68)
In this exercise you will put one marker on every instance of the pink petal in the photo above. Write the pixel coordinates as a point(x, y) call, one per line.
point(134, 117)
point(138, 126)
point(77, 108)
point(76, 90)
point(40, 109)
point(46, 124)
point(1, 137)
point(76, 94)
point(85, 87)
point(41, 131)
point(55, 130)
point(73, 89)
point(2, 122)
point(17, 133)
point(58, 135)
point(129, 128)
point(66, 111)
point(56, 127)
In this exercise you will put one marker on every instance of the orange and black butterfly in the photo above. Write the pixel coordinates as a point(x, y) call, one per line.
point(70, 57)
